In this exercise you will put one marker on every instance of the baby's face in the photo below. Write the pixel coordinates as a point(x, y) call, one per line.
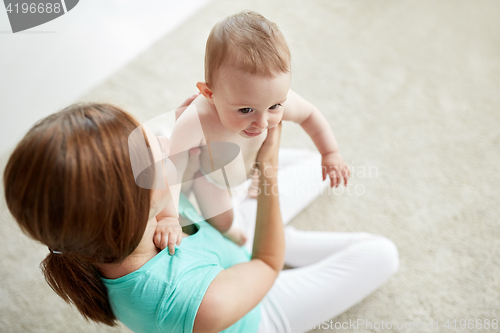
point(248, 104)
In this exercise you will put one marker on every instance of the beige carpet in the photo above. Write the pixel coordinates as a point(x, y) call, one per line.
point(411, 89)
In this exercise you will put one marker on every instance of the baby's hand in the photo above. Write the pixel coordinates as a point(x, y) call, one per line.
point(168, 233)
point(334, 166)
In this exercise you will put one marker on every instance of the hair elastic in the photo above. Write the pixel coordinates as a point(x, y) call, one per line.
point(54, 251)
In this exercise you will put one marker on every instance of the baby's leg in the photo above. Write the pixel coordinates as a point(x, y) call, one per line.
point(215, 204)
point(191, 171)
point(212, 201)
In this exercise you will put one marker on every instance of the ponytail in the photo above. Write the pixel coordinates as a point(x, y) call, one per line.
point(78, 282)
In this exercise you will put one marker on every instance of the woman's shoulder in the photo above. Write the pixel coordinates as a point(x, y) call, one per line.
point(163, 293)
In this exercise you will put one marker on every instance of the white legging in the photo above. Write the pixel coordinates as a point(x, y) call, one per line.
point(332, 270)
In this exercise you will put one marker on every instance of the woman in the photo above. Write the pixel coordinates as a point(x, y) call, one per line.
point(70, 185)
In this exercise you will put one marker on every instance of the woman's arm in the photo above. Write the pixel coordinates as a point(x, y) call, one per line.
point(237, 290)
point(168, 231)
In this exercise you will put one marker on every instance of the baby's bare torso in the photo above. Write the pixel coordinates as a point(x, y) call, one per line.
point(214, 131)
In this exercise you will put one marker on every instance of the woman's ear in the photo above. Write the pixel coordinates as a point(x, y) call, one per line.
point(205, 91)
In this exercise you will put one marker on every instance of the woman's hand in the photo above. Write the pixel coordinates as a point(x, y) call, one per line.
point(268, 153)
point(185, 104)
point(267, 158)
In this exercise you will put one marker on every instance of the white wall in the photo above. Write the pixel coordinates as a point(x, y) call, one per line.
point(47, 67)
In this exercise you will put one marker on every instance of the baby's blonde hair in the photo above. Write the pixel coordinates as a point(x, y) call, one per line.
point(249, 42)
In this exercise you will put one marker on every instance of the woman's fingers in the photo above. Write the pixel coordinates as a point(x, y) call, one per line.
point(269, 149)
point(275, 133)
point(185, 104)
point(189, 100)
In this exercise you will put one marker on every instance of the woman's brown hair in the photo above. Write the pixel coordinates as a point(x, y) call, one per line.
point(69, 184)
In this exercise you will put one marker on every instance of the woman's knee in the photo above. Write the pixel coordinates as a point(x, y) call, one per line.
point(387, 253)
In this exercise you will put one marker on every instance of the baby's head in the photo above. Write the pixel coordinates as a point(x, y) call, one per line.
point(247, 73)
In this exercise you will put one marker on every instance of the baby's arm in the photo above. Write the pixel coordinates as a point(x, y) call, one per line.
point(314, 123)
point(186, 135)
point(168, 230)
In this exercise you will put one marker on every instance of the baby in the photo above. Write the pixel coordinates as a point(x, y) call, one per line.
point(247, 91)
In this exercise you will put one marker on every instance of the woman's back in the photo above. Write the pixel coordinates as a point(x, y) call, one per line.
point(164, 295)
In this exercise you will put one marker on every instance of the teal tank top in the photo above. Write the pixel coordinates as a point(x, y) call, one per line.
point(165, 293)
